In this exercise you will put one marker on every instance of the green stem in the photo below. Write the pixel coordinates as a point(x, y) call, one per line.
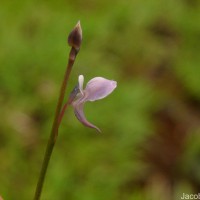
point(54, 130)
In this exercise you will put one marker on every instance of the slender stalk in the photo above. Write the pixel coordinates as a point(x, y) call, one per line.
point(62, 113)
point(74, 40)
point(55, 126)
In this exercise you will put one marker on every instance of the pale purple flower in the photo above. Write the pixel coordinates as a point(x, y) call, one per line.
point(97, 88)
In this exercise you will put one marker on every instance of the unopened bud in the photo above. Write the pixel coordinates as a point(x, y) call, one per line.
point(75, 37)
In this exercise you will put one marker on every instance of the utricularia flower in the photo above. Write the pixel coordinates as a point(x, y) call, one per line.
point(97, 88)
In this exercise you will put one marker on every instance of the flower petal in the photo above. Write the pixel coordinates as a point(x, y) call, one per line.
point(78, 111)
point(98, 88)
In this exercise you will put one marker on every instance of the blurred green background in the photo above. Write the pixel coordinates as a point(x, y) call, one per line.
point(150, 142)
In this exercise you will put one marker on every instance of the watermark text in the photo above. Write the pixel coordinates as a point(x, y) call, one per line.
point(190, 196)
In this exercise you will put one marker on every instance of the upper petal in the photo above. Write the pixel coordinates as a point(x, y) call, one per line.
point(98, 88)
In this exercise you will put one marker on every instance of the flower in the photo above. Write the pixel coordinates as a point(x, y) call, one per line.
point(97, 88)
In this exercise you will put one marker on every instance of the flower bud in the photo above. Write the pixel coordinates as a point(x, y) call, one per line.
point(75, 37)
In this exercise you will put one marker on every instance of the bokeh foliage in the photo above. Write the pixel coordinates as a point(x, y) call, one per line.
point(150, 143)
